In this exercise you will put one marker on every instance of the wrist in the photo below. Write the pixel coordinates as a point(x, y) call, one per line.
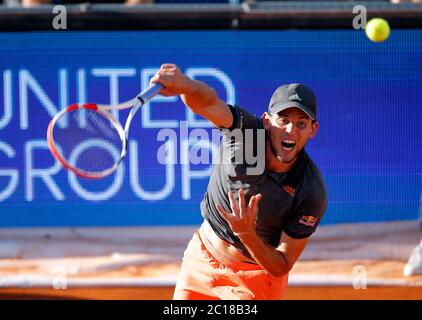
point(191, 87)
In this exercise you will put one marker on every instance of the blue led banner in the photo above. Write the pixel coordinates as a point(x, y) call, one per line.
point(369, 107)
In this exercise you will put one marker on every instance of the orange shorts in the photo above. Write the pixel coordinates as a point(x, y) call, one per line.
point(203, 277)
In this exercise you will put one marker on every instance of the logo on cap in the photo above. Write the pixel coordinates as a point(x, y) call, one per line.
point(295, 97)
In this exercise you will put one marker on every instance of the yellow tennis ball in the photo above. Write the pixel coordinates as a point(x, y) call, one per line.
point(377, 29)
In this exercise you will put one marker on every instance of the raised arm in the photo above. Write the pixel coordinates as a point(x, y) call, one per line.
point(198, 96)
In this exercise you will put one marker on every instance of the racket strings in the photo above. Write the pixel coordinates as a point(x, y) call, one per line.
point(89, 142)
point(100, 125)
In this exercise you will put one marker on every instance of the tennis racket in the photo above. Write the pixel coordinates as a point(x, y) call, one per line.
point(88, 140)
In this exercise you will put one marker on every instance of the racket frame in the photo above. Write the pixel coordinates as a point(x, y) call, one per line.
point(136, 103)
point(58, 155)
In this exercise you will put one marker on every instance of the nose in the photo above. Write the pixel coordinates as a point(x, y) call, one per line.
point(289, 127)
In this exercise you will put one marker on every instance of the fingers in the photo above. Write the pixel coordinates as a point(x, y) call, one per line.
point(254, 200)
point(168, 66)
point(253, 205)
point(165, 69)
point(169, 76)
point(242, 203)
point(223, 212)
point(233, 203)
point(239, 209)
point(157, 78)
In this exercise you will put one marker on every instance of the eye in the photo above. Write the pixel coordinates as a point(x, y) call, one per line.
point(301, 125)
point(283, 121)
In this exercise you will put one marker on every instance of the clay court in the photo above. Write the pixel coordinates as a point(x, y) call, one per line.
point(359, 262)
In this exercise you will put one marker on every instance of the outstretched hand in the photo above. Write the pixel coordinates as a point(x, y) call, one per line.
point(242, 219)
point(173, 80)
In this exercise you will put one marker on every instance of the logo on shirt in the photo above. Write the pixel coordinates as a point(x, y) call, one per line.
point(308, 221)
point(290, 190)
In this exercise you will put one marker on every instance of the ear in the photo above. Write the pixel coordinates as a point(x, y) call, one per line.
point(314, 129)
point(266, 120)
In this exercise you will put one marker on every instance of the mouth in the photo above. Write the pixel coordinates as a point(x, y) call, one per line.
point(288, 144)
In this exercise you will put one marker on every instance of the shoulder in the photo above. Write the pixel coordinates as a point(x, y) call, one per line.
point(243, 119)
point(313, 187)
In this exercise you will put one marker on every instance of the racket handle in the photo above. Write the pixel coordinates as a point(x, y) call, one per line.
point(142, 98)
point(149, 93)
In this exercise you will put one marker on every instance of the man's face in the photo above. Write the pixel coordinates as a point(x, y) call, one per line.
point(289, 131)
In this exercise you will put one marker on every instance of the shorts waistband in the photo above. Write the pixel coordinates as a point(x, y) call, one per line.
point(235, 260)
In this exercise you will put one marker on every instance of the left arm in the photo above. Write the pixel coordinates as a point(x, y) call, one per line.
point(276, 261)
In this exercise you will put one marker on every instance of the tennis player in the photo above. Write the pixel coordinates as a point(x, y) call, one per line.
point(255, 225)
